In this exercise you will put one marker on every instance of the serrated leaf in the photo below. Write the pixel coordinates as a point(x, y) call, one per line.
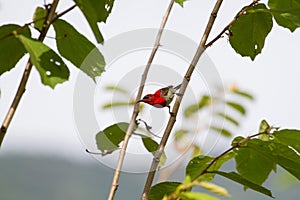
point(281, 154)
point(78, 49)
point(152, 146)
point(39, 18)
point(10, 56)
point(222, 131)
point(180, 2)
point(116, 89)
point(196, 166)
point(229, 118)
point(288, 137)
point(196, 196)
point(159, 190)
point(286, 13)
point(249, 31)
point(110, 138)
point(50, 66)
point(252, 165)
point(239, 179)
point(95, 11)
point(237, 107)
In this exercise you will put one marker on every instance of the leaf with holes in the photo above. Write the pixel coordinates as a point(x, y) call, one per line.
point(10, 56)
point(249, 31)
point(110, 138)
point(39, 18)
point(51, 67)
point(94, 12)
point(197, 165)
point(286, 13)
point(79, 50)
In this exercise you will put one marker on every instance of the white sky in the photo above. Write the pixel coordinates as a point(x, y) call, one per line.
point(44, 119)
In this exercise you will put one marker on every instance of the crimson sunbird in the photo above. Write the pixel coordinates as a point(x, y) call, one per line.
point(162, 97)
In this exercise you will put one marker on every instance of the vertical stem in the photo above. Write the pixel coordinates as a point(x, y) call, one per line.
point(172, 119)
point(114, 185)
point(28, 67)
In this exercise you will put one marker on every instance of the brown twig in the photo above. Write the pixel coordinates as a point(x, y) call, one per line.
point(22, 85)
point(232, 21)
point(131, 126)
point(172, 119)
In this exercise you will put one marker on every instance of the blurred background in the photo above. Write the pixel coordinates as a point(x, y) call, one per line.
point(43, 155)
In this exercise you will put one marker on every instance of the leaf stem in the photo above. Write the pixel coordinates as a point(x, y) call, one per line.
point(232, 21)
point(114, 185)
point(28, 67)
point(172, 119)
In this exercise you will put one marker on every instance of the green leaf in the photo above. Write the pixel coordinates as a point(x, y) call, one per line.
point(279, 153)
point(196, 150)
point(116, 89)
point(214, 188)
point(191, 110)
point(39, 18)
point(288, 137)
point(253, 165)
point(152, 146)
point(159, 190)
point(196, 196)
point(110, 138)
point(179, 134)
point(239, 179)
point(243, 94)
point(78, 50)
point(180, 2)
point(222, 131)
point(264, 127)
point(51, 67)
point(116, 104)
point(205, 101)
point(95, 11)
point(10, 56)
point(286, 13)
point(249, 31)
point(198, 164)
point(229, 118)
point(237, 107)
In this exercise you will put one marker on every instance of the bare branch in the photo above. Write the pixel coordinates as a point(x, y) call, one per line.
point(172, 119)
point(22, 85)
point(131, 126)
point(228, 26)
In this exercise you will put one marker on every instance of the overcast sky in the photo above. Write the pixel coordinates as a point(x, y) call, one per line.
point(44, 120)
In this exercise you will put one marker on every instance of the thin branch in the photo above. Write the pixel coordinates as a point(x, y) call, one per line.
point(232, 21)
point(22, 85)
point(238, 144)
point(131, 126)
point(172, 119)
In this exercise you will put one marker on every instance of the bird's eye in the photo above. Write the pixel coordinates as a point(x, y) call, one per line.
point(146, 97)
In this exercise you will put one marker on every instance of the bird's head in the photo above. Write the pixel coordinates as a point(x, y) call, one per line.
point(147, 99)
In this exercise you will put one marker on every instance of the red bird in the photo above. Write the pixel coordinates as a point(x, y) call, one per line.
point(162, 97)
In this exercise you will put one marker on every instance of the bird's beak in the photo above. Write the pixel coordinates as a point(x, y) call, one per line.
point(140, 101)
